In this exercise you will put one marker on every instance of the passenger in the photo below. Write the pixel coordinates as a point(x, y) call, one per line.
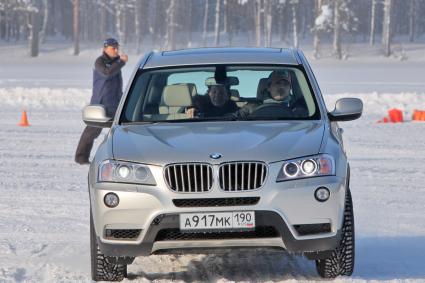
point(216, 103)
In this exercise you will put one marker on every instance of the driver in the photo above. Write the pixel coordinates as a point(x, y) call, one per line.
point(278, 92)
point(216, 103)
point(279, 88)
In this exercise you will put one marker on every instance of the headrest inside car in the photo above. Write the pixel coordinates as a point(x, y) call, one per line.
point(262, 86)
point(177, 95)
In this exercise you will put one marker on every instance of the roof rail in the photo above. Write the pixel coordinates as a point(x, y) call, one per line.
point(145, 59)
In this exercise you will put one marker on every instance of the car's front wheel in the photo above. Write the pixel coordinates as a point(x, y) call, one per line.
point(101, 268)
point(341, 261)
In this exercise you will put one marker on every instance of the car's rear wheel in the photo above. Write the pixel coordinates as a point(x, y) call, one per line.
point(101, 268)
point(341, 261)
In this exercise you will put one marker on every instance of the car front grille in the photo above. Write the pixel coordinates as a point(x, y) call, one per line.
point(242, 176)
point(311, 229)
point(211, 202)
point(122, 234)
point(189, 177)
point(175, 234)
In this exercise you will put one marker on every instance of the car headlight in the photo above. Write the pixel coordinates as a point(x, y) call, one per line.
point(312, 166)
point(125, 172)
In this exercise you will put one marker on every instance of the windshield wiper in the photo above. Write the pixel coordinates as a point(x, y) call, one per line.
point(265, 118)
point(225, 118)
point(140, 122)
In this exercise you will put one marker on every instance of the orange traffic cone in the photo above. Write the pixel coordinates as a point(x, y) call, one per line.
point(416, 115)
point(396, 115)
point(24, 120)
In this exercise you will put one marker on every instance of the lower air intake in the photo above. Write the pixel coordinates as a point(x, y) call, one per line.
point(177, 235)
point(311, 229)
point(122, 234)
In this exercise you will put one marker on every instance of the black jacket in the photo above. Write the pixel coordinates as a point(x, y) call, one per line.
point(204, 105)
point(295, 107)
point(107, 82)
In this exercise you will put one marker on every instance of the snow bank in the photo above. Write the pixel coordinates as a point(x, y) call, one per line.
point(44, 98)
point(377, 104)
point(70, 99)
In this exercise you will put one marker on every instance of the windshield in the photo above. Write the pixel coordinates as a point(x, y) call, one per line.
point(220, 93)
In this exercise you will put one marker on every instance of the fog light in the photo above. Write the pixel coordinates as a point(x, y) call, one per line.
point(322, 194)
point(111, 200)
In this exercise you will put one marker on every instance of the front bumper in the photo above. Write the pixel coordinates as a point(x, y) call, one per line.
point(282, 205)
point(151, 243)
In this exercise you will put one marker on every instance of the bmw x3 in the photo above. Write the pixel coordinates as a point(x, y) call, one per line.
point(176, 173)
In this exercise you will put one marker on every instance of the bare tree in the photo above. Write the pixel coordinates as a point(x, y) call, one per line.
point(372, 23)
point(294, 6)
point(254, 21)
point(412, 19)
point(34, 27)
point(45, 20)
point(171, 25)
point(190, 22)
point(268, 17)
point(118, 19)
point(316, 39)
point(76, 9)
point(386, 34)
point(205, 26)
point(225, 20)
point(217, 23)
point(258, 8)
point(337, 30)
point(137, 29)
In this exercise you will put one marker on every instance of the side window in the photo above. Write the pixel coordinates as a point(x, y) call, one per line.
point(134, 105)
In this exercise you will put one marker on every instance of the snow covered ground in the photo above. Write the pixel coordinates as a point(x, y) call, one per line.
point(44, 208)
point(44, 201)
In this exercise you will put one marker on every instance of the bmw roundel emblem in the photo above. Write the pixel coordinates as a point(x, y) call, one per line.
point(215, 155)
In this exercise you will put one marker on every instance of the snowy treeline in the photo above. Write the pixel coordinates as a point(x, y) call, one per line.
point(170, 24)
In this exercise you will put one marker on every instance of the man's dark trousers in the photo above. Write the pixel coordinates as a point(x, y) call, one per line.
point(85, 145)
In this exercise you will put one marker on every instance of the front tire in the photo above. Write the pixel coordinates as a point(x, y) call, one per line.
point(341, 261)
point(101, 269)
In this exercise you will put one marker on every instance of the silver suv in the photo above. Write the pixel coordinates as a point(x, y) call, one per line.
point(181, 169)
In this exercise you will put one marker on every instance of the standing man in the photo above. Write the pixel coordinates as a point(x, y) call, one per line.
point(107, 90)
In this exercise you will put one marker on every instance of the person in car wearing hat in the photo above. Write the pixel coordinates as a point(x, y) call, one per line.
point(278, 91)
point(279, 88)
point(107, 90)
point(216, 103)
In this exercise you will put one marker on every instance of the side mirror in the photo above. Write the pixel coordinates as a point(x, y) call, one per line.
point(95, 116)
point(346, 109)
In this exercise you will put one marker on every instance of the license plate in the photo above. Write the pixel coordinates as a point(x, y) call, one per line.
point(217, 220)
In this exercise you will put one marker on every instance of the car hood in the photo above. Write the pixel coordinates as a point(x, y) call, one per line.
point(234, 140)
